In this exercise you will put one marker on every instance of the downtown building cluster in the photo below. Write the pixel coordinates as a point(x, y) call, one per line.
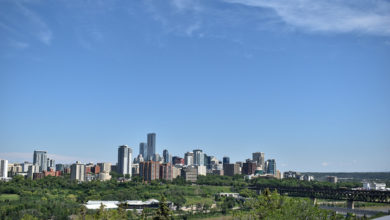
point(148, 165)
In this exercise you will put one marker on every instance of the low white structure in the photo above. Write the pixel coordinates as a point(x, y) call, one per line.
point(374, 186)
point(130, 204)
point(106, 204)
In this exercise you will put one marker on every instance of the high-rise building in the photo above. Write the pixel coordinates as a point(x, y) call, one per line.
point(226, 160)
point(143, 147)
point(271, 166)
point(151, 145)
point(3, 169)
point(51, 164)
point(40, 159)
point(258, 157)
point(167, 156)
point(125, 159)
point(77, 172)
point(166, 171)
point(207, 161)
point(25, 166)
point(230, 169)
point(249, 168)
point(31, 170)
point(189, 158)
point(149, 170)
point(198, 157)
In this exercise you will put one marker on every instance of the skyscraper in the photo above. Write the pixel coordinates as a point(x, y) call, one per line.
point(151, 146)
point(51, 164)
point(258, 157)
point(198, 157)
point(125, 160)
point(3, 169)
point(143, 147)
point(167, 156)
point(189, 158)
point(271, 166)
point(40, 159)
point(77, 171)
point(226, 160)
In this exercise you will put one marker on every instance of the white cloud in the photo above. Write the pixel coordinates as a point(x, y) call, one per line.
point(324, 164)
point(369, 17)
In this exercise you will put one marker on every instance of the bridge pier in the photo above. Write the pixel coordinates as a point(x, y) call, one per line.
point(350, 204)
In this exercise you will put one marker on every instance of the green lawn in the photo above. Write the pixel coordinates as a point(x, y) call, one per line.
point(11, 197)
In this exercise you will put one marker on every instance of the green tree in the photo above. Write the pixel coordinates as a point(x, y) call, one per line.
point(163, 211)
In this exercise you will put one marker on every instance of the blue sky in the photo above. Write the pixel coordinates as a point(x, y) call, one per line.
point(306, 82)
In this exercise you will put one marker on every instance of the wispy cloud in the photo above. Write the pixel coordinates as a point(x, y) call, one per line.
point(41, 29)
point(324, 164)
point(19, 44)
point(363, 16)
point(21, 24)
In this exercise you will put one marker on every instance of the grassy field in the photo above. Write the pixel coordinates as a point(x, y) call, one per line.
point(10, 197)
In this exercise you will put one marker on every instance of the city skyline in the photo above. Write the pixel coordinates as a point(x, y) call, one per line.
point(306, 82)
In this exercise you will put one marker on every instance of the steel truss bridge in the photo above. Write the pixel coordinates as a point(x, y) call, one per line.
point(332, 194)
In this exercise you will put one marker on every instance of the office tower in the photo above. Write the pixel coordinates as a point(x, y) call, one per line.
point(258, 157)
point(51, 164)
point(167, 156)
point(3, 169)
point(31, 170)
point(249, 168)
point(198, 157)
point(226, 160)
point(149, 170)
point(60, 167)
point(77, 172)
point(125, 160)
point(207, 161)
point(151, 146)
point(143, 147)
point(25, 166)
point(271, 167)
point(156, 157)
point(189, 158)
point(231, 169)
point(40, 159)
